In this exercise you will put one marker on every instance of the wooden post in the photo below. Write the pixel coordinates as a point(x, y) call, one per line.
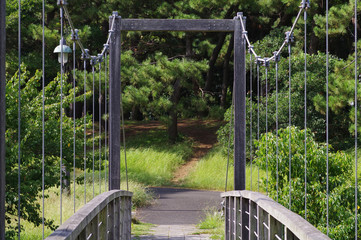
point(114, 109)
point(239, 106)
point(2, 117)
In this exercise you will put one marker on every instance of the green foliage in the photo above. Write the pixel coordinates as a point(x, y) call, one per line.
point(31, 143)
point(341, 190)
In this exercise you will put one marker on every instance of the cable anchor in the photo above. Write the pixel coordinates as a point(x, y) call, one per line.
point(266, 62)
point(74, 35)
point(277, 56)
point(305, 4)
point(289, 37)
point(62, 2)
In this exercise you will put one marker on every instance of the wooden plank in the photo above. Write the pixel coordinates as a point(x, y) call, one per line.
point(178, 25)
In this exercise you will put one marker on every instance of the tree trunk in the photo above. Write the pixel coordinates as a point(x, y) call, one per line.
point(216, 51)
point(173, 114)
point(225, 82)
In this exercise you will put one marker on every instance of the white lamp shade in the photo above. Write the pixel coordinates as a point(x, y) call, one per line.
point(66, 51)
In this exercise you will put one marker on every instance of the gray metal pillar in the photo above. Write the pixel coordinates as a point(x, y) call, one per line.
point(2, 117)
point(239, 86)
point(114, 108)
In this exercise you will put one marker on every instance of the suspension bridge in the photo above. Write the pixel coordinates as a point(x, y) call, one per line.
point(248, 214)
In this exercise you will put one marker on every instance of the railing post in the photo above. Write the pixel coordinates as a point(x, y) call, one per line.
point(114, 109)
point(2, 117)
point(239, 89)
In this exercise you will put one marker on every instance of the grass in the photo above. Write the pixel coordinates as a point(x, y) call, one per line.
point(210, 173)
point(152, 160)
point(52, 204)
point(213, 224)
point(140, 228)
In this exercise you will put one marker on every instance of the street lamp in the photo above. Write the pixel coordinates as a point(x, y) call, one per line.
point(66, 51)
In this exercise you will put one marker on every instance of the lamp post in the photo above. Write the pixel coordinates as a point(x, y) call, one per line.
point(66, 50)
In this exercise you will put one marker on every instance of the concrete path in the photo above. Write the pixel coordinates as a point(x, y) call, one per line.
point(176, 213)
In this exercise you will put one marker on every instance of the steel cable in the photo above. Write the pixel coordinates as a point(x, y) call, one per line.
point(74, 125)
point(258, 113)
point(289, 123)
point(100, 127)
point(305, 99)
point(93, 119)
point(277, 147)
point(84, 59)
point(266, 69)
point(43, 121)
point(105, 122)
point(61, 114)
point(327, 123)
point(356, 123)
point(229, 141)
point(251, 117)
point(19, 117)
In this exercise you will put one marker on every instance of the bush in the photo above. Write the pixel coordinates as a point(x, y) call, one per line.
point(341, 190)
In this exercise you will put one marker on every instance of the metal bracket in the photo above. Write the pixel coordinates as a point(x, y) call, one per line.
point(289, 37)
point(74, 35)
point(258, 61)
point(106, 47)
point(266, 62)
point(305, 4)
point(250, 49)
point(277, 56)
point(62, 2)
point(85, 55)
point(100, 58)
point(93, 60)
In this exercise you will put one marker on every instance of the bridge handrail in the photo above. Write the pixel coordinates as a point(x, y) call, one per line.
point(108, 213)
point(276, 219)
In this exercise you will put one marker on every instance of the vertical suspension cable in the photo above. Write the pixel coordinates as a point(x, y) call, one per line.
point(305, 99)
point(105, 113)
point(19, 116)
point(43, 121)
point(289, 121)
point(327, 123)
point(84, 59)
point(229, 140)
point(356, 123)
point(61, 113)
point(93, 115)
point(74, 129)
point(124, 143)
point(100, 127)
point(251, 115)
point(266, 69)
point(258, 96)
point(277, 147)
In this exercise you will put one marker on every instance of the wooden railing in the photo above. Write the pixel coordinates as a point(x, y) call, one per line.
point(251, 215)
point(107, 216)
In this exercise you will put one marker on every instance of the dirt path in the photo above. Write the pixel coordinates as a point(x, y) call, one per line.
point(203, 133)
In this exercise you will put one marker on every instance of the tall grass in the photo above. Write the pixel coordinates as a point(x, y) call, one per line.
point(210, 173)
point(52, 205)
point(152, 160)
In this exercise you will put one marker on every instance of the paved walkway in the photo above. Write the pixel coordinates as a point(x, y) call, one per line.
point(176, 213)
